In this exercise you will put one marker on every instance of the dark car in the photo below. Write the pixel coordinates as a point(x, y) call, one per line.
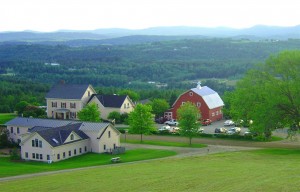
point(221, 130)
point(206, 122)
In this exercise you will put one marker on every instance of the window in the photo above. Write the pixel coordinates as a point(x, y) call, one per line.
point(114, 145)
point(85, 149)
point(37, 156)
point(70, 153)
point(40, 144)
point(80, 151)
point(213, 114)
point(74, 151)
point(89, 93)
point(48, 157)
point(54, 104)
point(127, 105)
point(191, 93)
point(73, 115)
point(33, 155)
point(198, 104)
point(63, 105)
point(220, 112)
point(73, 105)
point(18, 130)
point(72, 137)
point(36, 142)
point(41, 156)
point(217, 112)
point(11, 130)
point(58, 156)
point(64, 154)
point(32, 143)
point(104, 147)
point(108, 134)
point(26, 154)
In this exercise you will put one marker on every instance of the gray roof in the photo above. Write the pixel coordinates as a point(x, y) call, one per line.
point(114, 101)
point(58, 135)
point(65, 91)
point(50, 123)
point(211, 98)
point(31, 122)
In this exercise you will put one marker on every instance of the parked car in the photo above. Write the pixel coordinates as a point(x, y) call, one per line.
point(250, 133)
point(174, 129)
point(221, 130)
point(206, 122)
point(228, 123)
point(234, 130)
point(200, 130)
point(172, 122)
point(164, 128)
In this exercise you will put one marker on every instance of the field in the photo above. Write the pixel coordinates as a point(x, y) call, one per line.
point(4, 117)
point(259, 170)
point(9, 168)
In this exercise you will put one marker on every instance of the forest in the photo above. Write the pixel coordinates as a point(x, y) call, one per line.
point(27, 71)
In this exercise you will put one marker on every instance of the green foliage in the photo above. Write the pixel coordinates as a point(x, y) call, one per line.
point(20, 107)
point(4, 135)
point(15, 154)
point(114, 115)
point(132, 95)
point(188, 115)
point(159, 106)
point(269, 96)
point(141, 120)
point(90, 113)
point(34, 111)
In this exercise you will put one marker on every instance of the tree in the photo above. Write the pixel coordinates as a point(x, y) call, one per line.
point(114, 115)
point(188, 114)
point(20, 107)
point(270, 95)
point(159, 106)
point(90, 113)
point(132, 95)
point(141, 120)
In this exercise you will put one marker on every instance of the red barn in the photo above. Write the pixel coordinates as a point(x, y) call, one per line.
point(207, 100)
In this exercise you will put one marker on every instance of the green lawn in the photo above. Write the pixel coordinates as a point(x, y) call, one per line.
point(4, 117)
point(166, 143)
point(9, 168)
point(261, 170)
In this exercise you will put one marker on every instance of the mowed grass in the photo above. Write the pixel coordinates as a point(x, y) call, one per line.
point(261, 170)
point(4, 117)
point(166, 143)
point(9, 168)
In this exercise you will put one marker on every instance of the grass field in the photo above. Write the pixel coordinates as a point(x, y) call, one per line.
point(261, 170)
point(166, 143)
point(4, 117)
point(9, 168)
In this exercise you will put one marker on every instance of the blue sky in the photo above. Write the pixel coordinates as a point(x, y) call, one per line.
point(52, 15)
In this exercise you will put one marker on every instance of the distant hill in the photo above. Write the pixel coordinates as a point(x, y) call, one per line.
point(120, 36)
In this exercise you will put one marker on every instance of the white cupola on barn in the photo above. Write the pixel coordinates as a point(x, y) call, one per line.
point(199, 85)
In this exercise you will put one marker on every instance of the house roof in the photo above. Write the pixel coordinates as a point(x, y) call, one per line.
point(57, 136)
point(67, 91)
point(89, 126)
point(114, 101)
point(211, 98)
point(31, 122)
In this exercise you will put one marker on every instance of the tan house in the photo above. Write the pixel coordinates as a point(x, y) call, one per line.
point(110, 103)
point(65, 101)
point(55, 140)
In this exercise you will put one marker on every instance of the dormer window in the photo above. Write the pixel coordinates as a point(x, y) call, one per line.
point(72, 137)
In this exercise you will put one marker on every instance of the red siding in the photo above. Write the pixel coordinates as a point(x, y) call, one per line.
point(206, 113)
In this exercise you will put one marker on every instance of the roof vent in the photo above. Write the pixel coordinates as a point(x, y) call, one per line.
point(199, 85)
point(53, 139)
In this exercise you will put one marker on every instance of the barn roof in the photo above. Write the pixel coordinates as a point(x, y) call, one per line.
point(211, 98)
